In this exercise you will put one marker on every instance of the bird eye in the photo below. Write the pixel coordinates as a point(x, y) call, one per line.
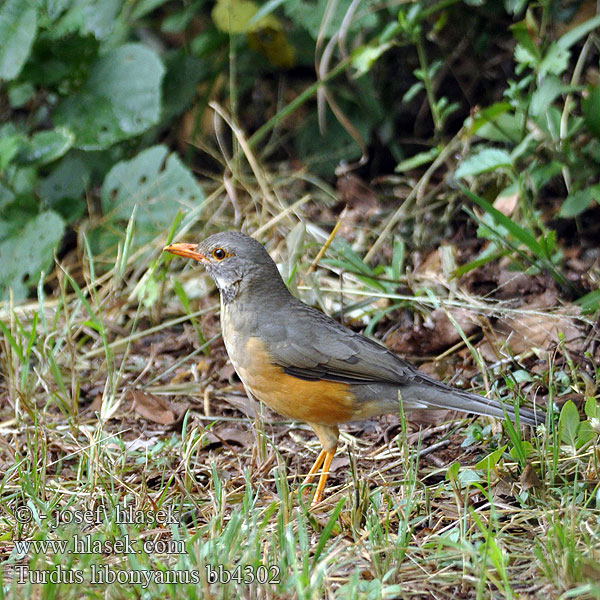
point(219, 253)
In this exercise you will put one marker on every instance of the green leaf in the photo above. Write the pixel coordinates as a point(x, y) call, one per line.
point(568, 423)
point(591, 110)
point(143, 7)
point(422, 158)
point(485, 160)
point(524, 56)
point(412, 91)
point(592, 408)
point(575, 34)
point(487, 115)
point(505, 127)
point(177, 21)
point(555, 61)
point(576, 203)
point(20, 93)
point(9, 148)
point(546, 93)
point(518, 232)
point(266, 9)
point(309, 15)
point(18, 26)
point(68, 180)
point(233, 16)
point(522, 376)
point(328, 530)
point(46, 146)
point(589, 303)
point(585, 433)
point(525, 41)
point(491, 460)
point(542, 173)
point(364, 57)
point(99, 18)
point(452, 472)
point(158, 183)
point(526, 448)
point(63, 189)
point(120, 99)
point(25, 255)
point(467, 476)
point(180, 85)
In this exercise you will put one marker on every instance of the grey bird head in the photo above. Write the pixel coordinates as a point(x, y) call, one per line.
point(236, 262)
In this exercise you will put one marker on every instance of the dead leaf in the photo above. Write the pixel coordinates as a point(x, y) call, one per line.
point(226, 372)
point(228, 435)
point(503, 487)
point(529, 478)
point(355, 192)
point(139, 443)
point(153, 408)
point(436, 335)
point(242, 403)
point(431, 266)
point(96, 404)
point(533, 331)
point(339, 462)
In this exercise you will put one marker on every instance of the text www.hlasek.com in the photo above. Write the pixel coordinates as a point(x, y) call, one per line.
point(86, 544)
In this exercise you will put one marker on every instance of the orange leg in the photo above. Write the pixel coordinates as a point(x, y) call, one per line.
point(328, 436)
point(311, 474)
point(323, 478)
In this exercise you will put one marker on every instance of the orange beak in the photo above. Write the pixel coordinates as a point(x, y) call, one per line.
point(185, 250)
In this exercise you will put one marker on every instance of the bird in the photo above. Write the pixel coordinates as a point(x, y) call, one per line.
point(306, 365)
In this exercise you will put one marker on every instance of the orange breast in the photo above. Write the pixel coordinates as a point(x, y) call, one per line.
point(323, 402)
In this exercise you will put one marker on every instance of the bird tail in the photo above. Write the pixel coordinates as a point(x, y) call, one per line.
point(446, 397)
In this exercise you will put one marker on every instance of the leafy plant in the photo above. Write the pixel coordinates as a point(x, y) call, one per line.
point(538, 121)
point(80, 91)
point(575, 433)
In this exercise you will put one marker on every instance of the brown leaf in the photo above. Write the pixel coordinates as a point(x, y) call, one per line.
point(153, 408)
point(430, 266)
point(229, 435)
point(534, 331)
point(356, 194)
point(529, 478)
point(446, 334)
point(438, 334)
point(242, 403)
point(339, 462)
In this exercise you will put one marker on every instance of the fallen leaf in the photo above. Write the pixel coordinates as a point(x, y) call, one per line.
point(535, 330)
point(228, 435)
point(153, 408)
point(339, 462)
point(242, 403)
point(529, 478)
point(437, 334)
point(139, 443)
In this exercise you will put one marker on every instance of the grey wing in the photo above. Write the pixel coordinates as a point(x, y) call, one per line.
point(328, 350)
point(332, 352)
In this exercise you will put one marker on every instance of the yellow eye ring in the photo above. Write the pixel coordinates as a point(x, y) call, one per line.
point(219, 254)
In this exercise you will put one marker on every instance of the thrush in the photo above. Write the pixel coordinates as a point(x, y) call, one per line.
point(307, 366)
